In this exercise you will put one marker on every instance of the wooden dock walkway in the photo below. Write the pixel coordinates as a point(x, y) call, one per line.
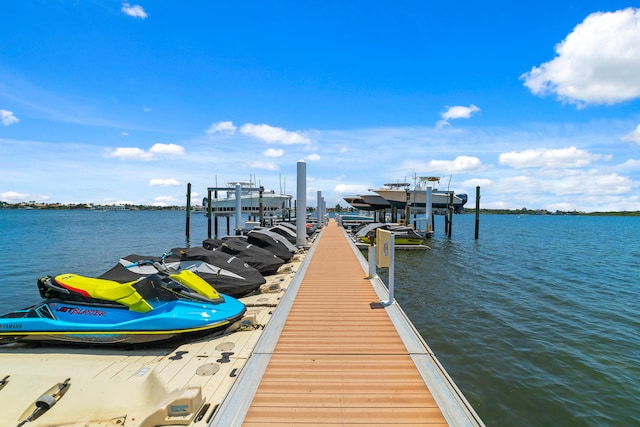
point(339, 358)
point(338, 361)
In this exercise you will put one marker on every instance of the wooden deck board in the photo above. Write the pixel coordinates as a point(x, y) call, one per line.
point(337, 360)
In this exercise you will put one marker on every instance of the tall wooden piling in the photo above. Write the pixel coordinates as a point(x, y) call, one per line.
point(188, 225)
point(477, 211)
point(260, 207)
point(450, 214)
point(209, 214)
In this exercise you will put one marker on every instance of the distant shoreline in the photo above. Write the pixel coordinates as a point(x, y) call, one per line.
point(467, 211)
point(545, 212)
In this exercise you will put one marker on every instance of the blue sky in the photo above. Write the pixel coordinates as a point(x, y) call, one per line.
point(110, 102)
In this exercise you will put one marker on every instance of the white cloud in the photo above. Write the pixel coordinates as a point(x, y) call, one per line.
point(170, 182)
point(557, 158)
point(227, 128)
point(459, 165)
point(123, 134)
point(165, 201)
point(631, 165)
point(477, 182)
point(264, 165)
point(273, 134)
point(456, 112)
point(135, 10)
point(312, 157)
point(7, 118)
point(167, 149)
point(597, 63)
point(13, 197)
point(351, 189)
point(273, 152)
point(633, 136)
point(128, 153)
point(134, 153)
point(585, 158)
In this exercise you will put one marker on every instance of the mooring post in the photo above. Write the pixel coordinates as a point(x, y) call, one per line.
point(238, 209)
point(450, 213)
point(215, 225)
point(407, 209)
point(188, 225)
point(477, 211)
point(209, 213)
point(428, 197)
point(260, 207)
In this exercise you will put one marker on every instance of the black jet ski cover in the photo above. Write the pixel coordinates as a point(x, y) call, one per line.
point(261, 259)
point(285, 232)
point(269, 241)
point(228, 276)
point(132, 267)
point(226, 273)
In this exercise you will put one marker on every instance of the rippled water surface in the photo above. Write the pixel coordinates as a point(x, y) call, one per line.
point(537, 321)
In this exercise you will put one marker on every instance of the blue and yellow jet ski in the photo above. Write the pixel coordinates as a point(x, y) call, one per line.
point(91, 311)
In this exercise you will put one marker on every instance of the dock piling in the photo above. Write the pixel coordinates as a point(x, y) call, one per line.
point(188, 225)
point(477, 211)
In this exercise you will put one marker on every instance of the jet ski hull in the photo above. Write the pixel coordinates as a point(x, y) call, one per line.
point(56, 320)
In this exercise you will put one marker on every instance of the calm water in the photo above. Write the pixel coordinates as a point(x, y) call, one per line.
point(537, 321)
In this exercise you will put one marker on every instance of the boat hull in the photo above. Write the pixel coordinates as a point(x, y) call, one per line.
point(401, 241)
point(95, 324)
point(439, 199)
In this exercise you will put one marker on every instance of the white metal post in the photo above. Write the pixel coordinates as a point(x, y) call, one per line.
point(391, 269)
point(372, 262)
point(301, 204)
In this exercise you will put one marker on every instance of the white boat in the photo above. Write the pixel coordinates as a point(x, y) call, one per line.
point(398, 194)
point(251, 197)
point(376, 201)
point(358, 203)
point(367, 202)
point(350, 220)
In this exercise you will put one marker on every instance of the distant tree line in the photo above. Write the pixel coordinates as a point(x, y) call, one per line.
point(337, 208)
point(78, 206)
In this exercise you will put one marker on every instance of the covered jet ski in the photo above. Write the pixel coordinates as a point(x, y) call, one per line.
point(229, 275)
point(272, 242)
point(404, 235)
point(362, 229)
point(285, 231)
point(261, 259)
point(91, 311)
